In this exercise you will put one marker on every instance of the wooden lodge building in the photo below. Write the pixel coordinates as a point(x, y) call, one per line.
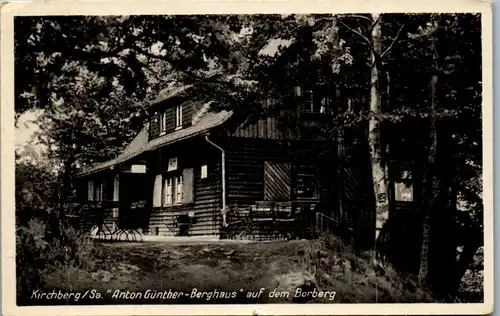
point(194, 166)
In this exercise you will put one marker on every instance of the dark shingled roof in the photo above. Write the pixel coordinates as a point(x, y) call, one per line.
point(169, 93)
point(140, 143)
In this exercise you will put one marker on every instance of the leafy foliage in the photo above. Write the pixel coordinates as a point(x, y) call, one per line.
point(92, 76)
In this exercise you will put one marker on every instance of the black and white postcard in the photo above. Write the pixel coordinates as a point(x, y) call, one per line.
point(239, 157)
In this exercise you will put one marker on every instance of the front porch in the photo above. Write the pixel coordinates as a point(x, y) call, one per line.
point(115, 206)
point(270, 220)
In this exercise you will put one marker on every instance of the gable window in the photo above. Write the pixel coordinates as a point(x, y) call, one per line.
point(163, 122)
point(178, 116)
point(306, 183)
point(310, 100)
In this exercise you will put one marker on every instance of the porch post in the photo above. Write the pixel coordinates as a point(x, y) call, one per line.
point(116, 196)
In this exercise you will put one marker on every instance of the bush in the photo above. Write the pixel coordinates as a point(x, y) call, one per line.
point(45, 245)
point(357, 278)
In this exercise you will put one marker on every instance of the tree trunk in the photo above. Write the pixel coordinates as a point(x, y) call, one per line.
point(429, 186)
point(379, 175)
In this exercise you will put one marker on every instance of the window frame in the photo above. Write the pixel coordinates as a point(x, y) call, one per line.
point(167, 191)
point(97, 191)
point(179, 189)
point(163, 122)
point(308, 102)
point(313, 176)
point(90, 191)
point(178, 116)
point(311, 101)
point(172, 181)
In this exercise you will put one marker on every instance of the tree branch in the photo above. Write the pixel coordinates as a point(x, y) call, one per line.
point(375, 22)
point(359, 34)
point(359, 16)
point(393, 41)
point(209, 79)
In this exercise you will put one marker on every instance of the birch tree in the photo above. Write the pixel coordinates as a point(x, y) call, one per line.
point(374, 38)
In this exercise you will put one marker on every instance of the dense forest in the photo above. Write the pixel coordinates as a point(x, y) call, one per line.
point(408, 84)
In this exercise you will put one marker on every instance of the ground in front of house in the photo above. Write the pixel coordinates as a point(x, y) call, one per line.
point(217, 272)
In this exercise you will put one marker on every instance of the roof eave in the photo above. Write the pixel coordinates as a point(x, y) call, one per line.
point(111, 167)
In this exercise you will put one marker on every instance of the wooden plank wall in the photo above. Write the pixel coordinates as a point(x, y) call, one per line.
point(266, 128)
point(245, 167)
point(358, 200)
point(154, 126)
point(246, 160)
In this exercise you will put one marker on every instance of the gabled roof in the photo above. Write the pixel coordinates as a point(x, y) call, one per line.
point(170, 93)
point(140, 143)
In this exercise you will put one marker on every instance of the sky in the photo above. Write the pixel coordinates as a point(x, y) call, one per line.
point(25, 130)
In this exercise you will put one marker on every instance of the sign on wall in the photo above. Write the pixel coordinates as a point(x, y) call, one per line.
point(138, 169)
point(403, 193)
point(172, 164)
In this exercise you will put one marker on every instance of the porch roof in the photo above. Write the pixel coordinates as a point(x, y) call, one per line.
point(140, 143)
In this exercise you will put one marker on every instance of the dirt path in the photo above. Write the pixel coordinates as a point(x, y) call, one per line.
point(214, 269)
point(229, 273)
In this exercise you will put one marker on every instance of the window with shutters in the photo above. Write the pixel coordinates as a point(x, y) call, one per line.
point(177, 187)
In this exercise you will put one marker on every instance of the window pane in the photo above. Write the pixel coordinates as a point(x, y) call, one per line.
point(163, 121)
point(178, 115)
point(90, 191)
point(298, 91)
point(178, 189)
point(168, 191)
point(309, 101)
point(306, 187)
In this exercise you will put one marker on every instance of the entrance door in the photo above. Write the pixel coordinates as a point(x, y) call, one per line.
point(133, 198)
